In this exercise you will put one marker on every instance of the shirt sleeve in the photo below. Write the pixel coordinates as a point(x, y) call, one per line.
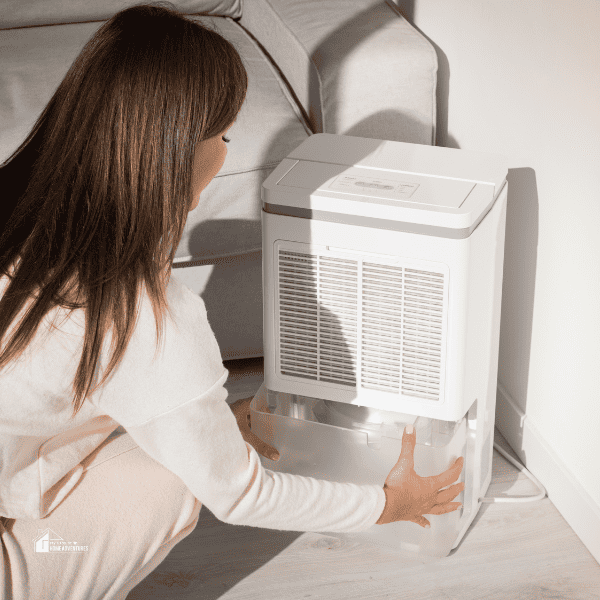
point(173, 405)
point(201, 443)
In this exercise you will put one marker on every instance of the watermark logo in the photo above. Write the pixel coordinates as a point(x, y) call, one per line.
point(49, 541)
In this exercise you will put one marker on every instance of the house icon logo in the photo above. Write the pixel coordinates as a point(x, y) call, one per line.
point(49, 541)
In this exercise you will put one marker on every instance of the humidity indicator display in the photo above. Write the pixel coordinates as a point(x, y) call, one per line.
point(355, 184)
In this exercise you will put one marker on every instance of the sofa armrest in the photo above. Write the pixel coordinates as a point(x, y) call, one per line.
point(356, 68)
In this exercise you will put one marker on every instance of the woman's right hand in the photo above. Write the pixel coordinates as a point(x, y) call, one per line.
point(409, 496)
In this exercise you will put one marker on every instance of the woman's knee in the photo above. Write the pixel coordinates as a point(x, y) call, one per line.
point(152, 495)
point(125, 510)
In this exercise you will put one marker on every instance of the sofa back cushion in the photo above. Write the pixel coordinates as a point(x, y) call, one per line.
point(24, 13)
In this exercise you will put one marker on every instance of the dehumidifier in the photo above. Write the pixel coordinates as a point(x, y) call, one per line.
point(382, 282)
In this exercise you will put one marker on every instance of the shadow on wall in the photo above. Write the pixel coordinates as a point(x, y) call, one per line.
point(520, 256)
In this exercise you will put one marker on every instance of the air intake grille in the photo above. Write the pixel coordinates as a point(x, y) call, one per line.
point(357, 323)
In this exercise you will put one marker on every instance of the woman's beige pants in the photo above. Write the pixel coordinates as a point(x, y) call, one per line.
point(127, 509)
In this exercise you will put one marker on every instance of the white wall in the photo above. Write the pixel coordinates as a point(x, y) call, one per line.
point(522, 78)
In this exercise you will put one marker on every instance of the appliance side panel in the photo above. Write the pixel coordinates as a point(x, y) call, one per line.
point(485, 277)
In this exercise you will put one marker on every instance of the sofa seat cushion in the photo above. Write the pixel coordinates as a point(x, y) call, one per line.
point(269, 126)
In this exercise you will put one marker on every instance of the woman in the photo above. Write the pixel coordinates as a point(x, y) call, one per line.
point(96, 200)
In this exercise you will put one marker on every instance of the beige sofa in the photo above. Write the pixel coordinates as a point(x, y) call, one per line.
point(337, 66)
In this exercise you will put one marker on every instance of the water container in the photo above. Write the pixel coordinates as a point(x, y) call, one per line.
point(344, 443)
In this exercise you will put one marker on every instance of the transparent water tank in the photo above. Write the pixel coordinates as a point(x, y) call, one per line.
point(354, 444)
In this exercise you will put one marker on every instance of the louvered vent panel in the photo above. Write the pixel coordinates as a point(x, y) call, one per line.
point(336, 313)
point(423, 307)
point(317, 317)
point(381, 327)
point(338, 299)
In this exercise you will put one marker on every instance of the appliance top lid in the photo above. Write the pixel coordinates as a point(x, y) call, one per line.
point(395, 181)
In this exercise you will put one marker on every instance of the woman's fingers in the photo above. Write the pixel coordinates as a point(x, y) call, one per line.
point(445, 508)
point(450, 493)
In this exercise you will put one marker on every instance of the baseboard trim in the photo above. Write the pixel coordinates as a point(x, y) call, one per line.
point(566, 493)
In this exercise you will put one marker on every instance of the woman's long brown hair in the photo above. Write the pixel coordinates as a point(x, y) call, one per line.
point(95, 200)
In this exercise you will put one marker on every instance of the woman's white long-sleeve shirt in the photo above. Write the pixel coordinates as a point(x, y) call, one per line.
point(172, 402)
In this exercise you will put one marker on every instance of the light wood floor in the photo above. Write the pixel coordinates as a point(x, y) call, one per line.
point(523, 551)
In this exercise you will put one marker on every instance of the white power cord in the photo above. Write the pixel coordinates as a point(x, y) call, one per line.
point(521, 468)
